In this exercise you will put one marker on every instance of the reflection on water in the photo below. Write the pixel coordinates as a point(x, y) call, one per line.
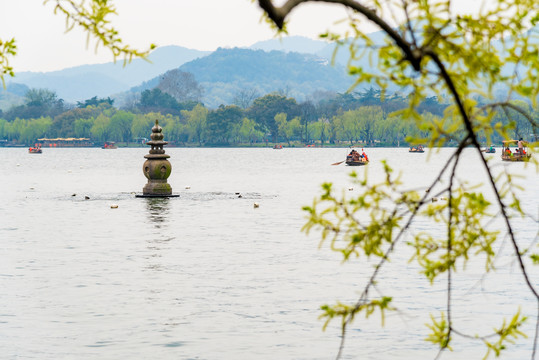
point(158, 210)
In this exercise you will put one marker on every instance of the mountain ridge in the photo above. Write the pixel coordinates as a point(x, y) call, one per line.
point(109, 79)
point(226, 71)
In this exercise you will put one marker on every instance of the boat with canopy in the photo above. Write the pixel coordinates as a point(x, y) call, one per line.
point(520, 152)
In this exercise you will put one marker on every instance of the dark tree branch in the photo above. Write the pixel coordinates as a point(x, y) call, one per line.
point(507, 104)
point(414, 56)
point(278, 16)
point(372, 279)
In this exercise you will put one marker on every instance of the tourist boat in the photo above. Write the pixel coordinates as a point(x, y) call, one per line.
point(109, 145)
point(516, 155)
point(354, 158)
point(490, 150)
point(277, 146)
point(36, 149)
point(357, 162)
point(416, 149)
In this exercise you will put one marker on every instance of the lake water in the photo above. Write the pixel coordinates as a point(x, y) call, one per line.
point(207, 275)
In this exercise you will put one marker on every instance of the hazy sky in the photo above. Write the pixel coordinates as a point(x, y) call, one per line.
point(43, 44)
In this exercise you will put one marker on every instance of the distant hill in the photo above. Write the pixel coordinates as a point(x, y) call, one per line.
point(102, 80)
point(295, 65)
point(343, 52)
point(320, 48)
point(227, 71)
point(12, 95)
point(298, 44)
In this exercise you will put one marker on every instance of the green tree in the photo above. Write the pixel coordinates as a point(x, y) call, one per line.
point(37, 103)
point(95, 102)
point(175, 130)
point(520, 125)
point(141, 125)
point(264, 109)
point(63, 125)
point(119, 127)
point(155, 100)
point(82, 128)
point(287, 129)
point(3, 128)
point(248, 131)
point(308, 115)
point(322, 130)
point(434, 52)
point(220, 123)
point(25, 131)
point(196, 123)
point(368, 118)
point(99, 128)
point(351, 127)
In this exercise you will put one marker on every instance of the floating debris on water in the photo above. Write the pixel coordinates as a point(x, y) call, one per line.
point(255, 205)
point(114, 206)
point(86, 198)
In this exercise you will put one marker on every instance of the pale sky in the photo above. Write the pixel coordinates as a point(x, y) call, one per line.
point(43, 44)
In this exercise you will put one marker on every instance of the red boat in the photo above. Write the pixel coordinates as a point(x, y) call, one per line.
point(36, 149)
point(109, 145)
point(417, 149)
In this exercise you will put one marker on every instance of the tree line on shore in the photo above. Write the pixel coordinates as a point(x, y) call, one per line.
point(370, 117)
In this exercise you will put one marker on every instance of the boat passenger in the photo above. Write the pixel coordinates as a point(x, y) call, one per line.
point(520, 147)
point(364, 155)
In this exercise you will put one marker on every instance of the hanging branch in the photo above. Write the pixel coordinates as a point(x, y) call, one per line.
point(415, 55)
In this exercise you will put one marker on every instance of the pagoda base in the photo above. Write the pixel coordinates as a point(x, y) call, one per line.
point(156, 195)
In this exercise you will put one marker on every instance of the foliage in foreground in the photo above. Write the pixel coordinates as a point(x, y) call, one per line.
point(434, 50)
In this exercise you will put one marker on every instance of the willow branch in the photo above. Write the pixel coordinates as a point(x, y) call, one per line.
point(372, 279)
point(507, 104)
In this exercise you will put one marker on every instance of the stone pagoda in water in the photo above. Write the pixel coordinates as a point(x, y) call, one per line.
point(156, 167)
